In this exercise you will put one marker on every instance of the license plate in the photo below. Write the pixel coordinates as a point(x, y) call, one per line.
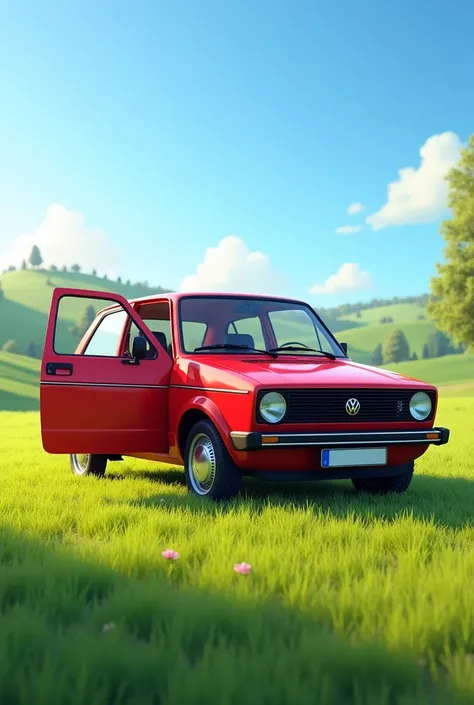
point(350, 457)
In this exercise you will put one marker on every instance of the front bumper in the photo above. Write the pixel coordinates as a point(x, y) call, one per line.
point(253, 440)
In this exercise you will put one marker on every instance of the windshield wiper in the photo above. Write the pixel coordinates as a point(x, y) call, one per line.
point(302, 348)
point(234, 346)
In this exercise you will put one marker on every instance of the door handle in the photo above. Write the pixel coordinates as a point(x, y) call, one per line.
point(61, 369)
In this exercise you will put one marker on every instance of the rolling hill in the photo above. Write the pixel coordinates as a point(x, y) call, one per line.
point(27, 297)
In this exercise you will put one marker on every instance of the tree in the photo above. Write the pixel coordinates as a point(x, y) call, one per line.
point(438, 344)
point(426, 352)
point(53, 268)
point(35, 257)
point(23, 264)
point(11, 346)
point(94, 272)
point(31, 350)
point(11, 268)
point(377, 356)
point(75, 268)
point(453, 306)
point(395, 347)
point(414, 356)
point(86, 320)
point(64, 268)
point(119, 280)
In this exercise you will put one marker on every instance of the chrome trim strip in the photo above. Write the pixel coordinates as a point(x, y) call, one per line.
point(105, 384)
point(347, 443)
point(241, 434)
point(209, 389)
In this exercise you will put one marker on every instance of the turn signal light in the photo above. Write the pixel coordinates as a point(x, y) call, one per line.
point(270, 439)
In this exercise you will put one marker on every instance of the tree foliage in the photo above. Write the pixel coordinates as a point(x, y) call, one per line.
point(23, 264)
point(35, 258)
point(453, 311)
point(32, 350)
point(395, 347)
point(86, 320)
point(377, 355)
point(75, 268)
point(2, 293)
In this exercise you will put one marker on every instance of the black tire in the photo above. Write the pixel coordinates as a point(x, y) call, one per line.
point(385, 485)
point(83, 464)
point(220, 478)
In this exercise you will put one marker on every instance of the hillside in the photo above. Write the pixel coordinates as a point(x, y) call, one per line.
point(361, 341)
point(19, 383)
point(27, 297)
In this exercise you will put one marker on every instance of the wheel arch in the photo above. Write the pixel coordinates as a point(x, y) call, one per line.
point(202, 409)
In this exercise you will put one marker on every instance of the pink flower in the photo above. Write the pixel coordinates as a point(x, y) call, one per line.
point(170, 555)
point(242, 568)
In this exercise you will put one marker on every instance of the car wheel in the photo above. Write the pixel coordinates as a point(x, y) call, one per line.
point(385, 485)
point(84, 464)
point(208, 467)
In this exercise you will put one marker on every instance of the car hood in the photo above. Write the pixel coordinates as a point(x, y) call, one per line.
point(312, 373)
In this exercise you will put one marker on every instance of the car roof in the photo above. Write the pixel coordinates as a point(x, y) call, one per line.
point(176, 296)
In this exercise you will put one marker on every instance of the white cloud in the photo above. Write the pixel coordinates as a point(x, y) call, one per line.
point(420, 195)
point(355, 208)
point(349, 229)
point(349, 277)
point(232, 267)
point(64, 240)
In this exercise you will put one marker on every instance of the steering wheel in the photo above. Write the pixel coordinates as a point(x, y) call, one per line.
point(294, 342)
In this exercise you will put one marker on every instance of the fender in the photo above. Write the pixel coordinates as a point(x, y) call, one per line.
point(212, 411)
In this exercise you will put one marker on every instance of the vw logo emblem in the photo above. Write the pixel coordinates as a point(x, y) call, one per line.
point(352, 406)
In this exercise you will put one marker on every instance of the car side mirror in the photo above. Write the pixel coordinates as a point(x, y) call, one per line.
point(344, 347)
point(139, 347)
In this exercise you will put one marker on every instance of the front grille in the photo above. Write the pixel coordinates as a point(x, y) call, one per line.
point(329, 405)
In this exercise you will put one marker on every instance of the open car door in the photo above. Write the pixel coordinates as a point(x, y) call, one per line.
point(96, 397)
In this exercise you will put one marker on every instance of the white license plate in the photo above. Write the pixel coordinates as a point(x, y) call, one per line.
point(349, 457)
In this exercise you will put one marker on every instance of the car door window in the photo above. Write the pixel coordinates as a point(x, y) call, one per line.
point(106, 338)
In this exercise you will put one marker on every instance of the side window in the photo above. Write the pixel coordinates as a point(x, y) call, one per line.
point(76, 315)
point(106, 337)
point(248, 326)
point(157, 317)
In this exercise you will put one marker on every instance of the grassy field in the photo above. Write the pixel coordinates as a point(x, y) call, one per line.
point(351, 600)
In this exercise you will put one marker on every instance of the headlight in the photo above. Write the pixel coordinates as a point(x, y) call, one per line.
point(420, 406)
point(272, 407)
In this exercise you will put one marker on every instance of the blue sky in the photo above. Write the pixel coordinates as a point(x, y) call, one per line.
point(171, 125)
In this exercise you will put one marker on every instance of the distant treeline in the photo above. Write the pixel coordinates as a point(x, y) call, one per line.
point(347, 309)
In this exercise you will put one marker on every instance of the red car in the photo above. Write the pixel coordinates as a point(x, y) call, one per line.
point(228, 385)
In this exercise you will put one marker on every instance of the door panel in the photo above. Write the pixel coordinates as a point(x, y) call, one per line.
point(96, 400)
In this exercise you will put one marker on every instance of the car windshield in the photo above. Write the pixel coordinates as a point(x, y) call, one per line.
point(236, 325)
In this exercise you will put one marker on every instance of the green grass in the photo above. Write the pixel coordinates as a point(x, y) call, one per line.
point(449, 370)
point(351, 600)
